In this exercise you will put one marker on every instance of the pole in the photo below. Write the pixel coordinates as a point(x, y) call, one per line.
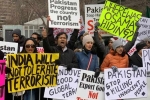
point(120, 2)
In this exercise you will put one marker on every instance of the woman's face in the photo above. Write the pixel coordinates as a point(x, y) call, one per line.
point(119, 49)
point(89, 45)
point(30, 46)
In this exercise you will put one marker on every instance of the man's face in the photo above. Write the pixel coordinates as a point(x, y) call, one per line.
point(148, 44)
point(35, 37)
point(15, 38)
point(62, 40)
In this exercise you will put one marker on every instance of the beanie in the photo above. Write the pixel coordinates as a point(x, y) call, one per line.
point(140, 46)
point(116, 44)
point(87, 38)
point(17, 32)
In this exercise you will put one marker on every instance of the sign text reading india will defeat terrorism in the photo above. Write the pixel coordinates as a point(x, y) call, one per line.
point(31, 71)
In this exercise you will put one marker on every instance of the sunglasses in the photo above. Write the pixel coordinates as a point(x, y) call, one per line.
point(28, 46)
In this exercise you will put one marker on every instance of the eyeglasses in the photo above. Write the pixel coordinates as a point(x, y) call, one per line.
point(30, 45)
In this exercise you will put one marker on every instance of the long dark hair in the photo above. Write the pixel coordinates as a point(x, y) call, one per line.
point(122, 55)
point(24, 50)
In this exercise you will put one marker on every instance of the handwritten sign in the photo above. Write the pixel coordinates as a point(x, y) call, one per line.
point(146, 58)
point(125, 83)
point(64, 14)
point(66, 85)
point(8, 48)
point(119, 20)
point(90, 88)
point(29, 71)
point(2, 79)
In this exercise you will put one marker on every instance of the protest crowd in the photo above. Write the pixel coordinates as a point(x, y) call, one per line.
point(104, 66)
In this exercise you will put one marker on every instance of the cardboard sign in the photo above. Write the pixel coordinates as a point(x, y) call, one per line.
point(146, 58)
point(64, 14)
point(2, 79)
point(39, 49)
point(66, 85)
point(8, 48)
point(92, 13)
point(125, 83)
point(90, 88)
point(119, 20)
point(31, 70)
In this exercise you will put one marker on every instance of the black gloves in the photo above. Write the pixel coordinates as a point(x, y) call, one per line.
point(96, 26)
point(57, 62)
point(7, 70)
point(115, 69)
point(69, 67)
point(97, 72)
point(134, 68)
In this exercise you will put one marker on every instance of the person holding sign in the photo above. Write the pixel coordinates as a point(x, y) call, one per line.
point(117, 57)
point(88, 59)
point(136, 58)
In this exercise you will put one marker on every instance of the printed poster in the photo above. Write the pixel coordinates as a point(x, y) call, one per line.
point(119, 20)
point(125, 84)
point(65, 14)
point(66, 85)
point(90, 88)
point(8, 48)
point(146, 59)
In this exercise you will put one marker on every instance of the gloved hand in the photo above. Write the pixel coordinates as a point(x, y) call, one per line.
point(115, 69)
point(97, 72)
point(134, 68)
point(57, 62)
point(96, 26)
point(7, 70)
point(69, 67)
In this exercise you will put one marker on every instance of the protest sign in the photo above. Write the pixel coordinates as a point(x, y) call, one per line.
point(64, 13)
point(146, 58)
point(66, 85)
point(2, 78)
point(31, 70)
point(8, 48)
point(39, 49)
point(125, 83)
point(90, 88)
point(119, 20)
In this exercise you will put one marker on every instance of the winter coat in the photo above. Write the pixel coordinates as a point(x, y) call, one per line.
point(135, 59)
point(84, 58)
point(115, 60)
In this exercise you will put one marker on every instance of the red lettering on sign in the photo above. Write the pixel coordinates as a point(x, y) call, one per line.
point(79, 98)
point(93, 95)
point(90, 24)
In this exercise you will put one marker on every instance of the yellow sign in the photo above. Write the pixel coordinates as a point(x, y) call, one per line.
point(29, 71)
point(119, 20)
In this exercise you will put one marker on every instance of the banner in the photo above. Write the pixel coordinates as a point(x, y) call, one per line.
point(64, 14)
point(2, 79)
point(66, 85)
point(29, 71)
point(90, 88)
point(39, 49)
point(119, 20)
point(146, 59)
point(125, 83)
point(8, 48)
point(92, 14)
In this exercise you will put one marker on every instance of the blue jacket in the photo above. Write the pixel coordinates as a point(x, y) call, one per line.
point(83, 60)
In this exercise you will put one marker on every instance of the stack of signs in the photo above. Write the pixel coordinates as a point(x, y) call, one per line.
point(125, 83)
point(89, 87)
point(66, 85)
point(119, 20)
point(8, 48)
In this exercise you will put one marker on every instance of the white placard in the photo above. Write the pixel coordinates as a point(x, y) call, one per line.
point(125, 83)
point(146, 58)
point(64, 14)
point(67, 85)
point(90, 88)
point(8, 48)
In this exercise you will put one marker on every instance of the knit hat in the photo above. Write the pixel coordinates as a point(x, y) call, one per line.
point(87, 38)
point(116, 44)
point(17, 31)
point(140, 46)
